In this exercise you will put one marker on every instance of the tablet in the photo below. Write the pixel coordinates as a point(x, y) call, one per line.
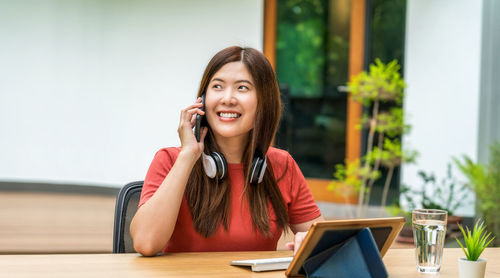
point(326, 234)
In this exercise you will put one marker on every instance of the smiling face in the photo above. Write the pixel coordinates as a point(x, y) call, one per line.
point(231, 102)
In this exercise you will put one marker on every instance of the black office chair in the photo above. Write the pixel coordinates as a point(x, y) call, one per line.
point(126, 206)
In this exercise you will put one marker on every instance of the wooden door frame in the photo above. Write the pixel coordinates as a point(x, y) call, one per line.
point(270, 24)
point(356, 64)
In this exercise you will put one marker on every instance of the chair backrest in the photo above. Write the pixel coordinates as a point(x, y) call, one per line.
point(126, 206)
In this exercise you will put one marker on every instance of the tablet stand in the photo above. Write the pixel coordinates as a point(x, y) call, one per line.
point(357, 256)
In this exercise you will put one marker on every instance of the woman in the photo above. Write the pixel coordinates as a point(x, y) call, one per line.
point(247, 204)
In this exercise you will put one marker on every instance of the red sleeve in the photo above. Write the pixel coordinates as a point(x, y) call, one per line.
point(302, 207)
point(158, 170)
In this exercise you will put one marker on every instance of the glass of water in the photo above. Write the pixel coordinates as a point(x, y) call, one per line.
point(429, 230)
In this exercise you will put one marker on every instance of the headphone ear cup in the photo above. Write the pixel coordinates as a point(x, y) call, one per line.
point(209, 165)
point(221, 163)
point(257, 170)
point(262, 170)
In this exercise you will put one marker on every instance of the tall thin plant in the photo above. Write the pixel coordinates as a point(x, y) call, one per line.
point(381, 85)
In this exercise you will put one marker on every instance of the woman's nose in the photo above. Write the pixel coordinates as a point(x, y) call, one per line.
point(228, 97)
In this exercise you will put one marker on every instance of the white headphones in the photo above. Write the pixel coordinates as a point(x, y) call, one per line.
point(215, 165)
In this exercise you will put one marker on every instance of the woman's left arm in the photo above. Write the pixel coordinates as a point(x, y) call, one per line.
point(300, 230)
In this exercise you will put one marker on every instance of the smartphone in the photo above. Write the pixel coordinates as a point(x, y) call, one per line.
point(200, 120)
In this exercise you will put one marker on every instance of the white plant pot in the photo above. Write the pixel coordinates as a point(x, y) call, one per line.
point(471, 269)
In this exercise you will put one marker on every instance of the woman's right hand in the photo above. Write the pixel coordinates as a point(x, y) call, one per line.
point(188, 140)
point(154, 222)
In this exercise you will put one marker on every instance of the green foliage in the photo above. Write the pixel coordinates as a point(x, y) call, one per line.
point(352, 174)
point(446, 195)
point(348, 175)
point(312, 47)
point(392, 123)
point(300, 45)
point(475, 241)
point(391, 154)
point(301, 66)
point(484, 180)
point(382, 83)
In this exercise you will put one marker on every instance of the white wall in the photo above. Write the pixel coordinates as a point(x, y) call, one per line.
point(489, 112)
point(442, 69)
point(89, 90)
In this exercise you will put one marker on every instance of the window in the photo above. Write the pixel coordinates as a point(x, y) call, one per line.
point(312, 60)
point(312, 50)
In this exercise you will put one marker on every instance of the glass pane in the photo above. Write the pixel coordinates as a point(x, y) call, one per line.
point(386, 42)
point(301, 31)
point(387, 26)
point(312, 61)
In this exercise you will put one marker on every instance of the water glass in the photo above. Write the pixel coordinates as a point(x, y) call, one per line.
point(429, 230)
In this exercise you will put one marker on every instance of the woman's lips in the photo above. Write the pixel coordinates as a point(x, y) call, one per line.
point(228, 116)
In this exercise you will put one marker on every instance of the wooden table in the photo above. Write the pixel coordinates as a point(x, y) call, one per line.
point(399, 263)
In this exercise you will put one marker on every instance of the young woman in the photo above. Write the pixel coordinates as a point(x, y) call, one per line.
point(257, 190)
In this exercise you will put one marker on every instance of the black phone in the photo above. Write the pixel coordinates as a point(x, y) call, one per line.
point(200, 120)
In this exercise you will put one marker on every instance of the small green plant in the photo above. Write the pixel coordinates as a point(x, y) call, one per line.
point(475, 241)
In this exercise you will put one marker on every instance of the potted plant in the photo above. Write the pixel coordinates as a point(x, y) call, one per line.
point(381, 92)
point(475, 242)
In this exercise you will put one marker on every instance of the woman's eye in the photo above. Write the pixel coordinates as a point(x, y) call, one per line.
point(217, 86)
point(243, 88)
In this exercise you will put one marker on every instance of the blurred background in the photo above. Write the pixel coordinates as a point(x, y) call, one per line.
point(91, 89)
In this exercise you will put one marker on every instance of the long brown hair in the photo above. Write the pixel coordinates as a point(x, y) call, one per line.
point(210, 199)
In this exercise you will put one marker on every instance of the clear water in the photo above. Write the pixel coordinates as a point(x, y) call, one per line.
point(429, 241)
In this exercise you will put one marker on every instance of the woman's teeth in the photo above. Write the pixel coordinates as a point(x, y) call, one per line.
point(229, 115)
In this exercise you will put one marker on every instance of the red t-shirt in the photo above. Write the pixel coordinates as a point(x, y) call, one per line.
point(241, 235)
